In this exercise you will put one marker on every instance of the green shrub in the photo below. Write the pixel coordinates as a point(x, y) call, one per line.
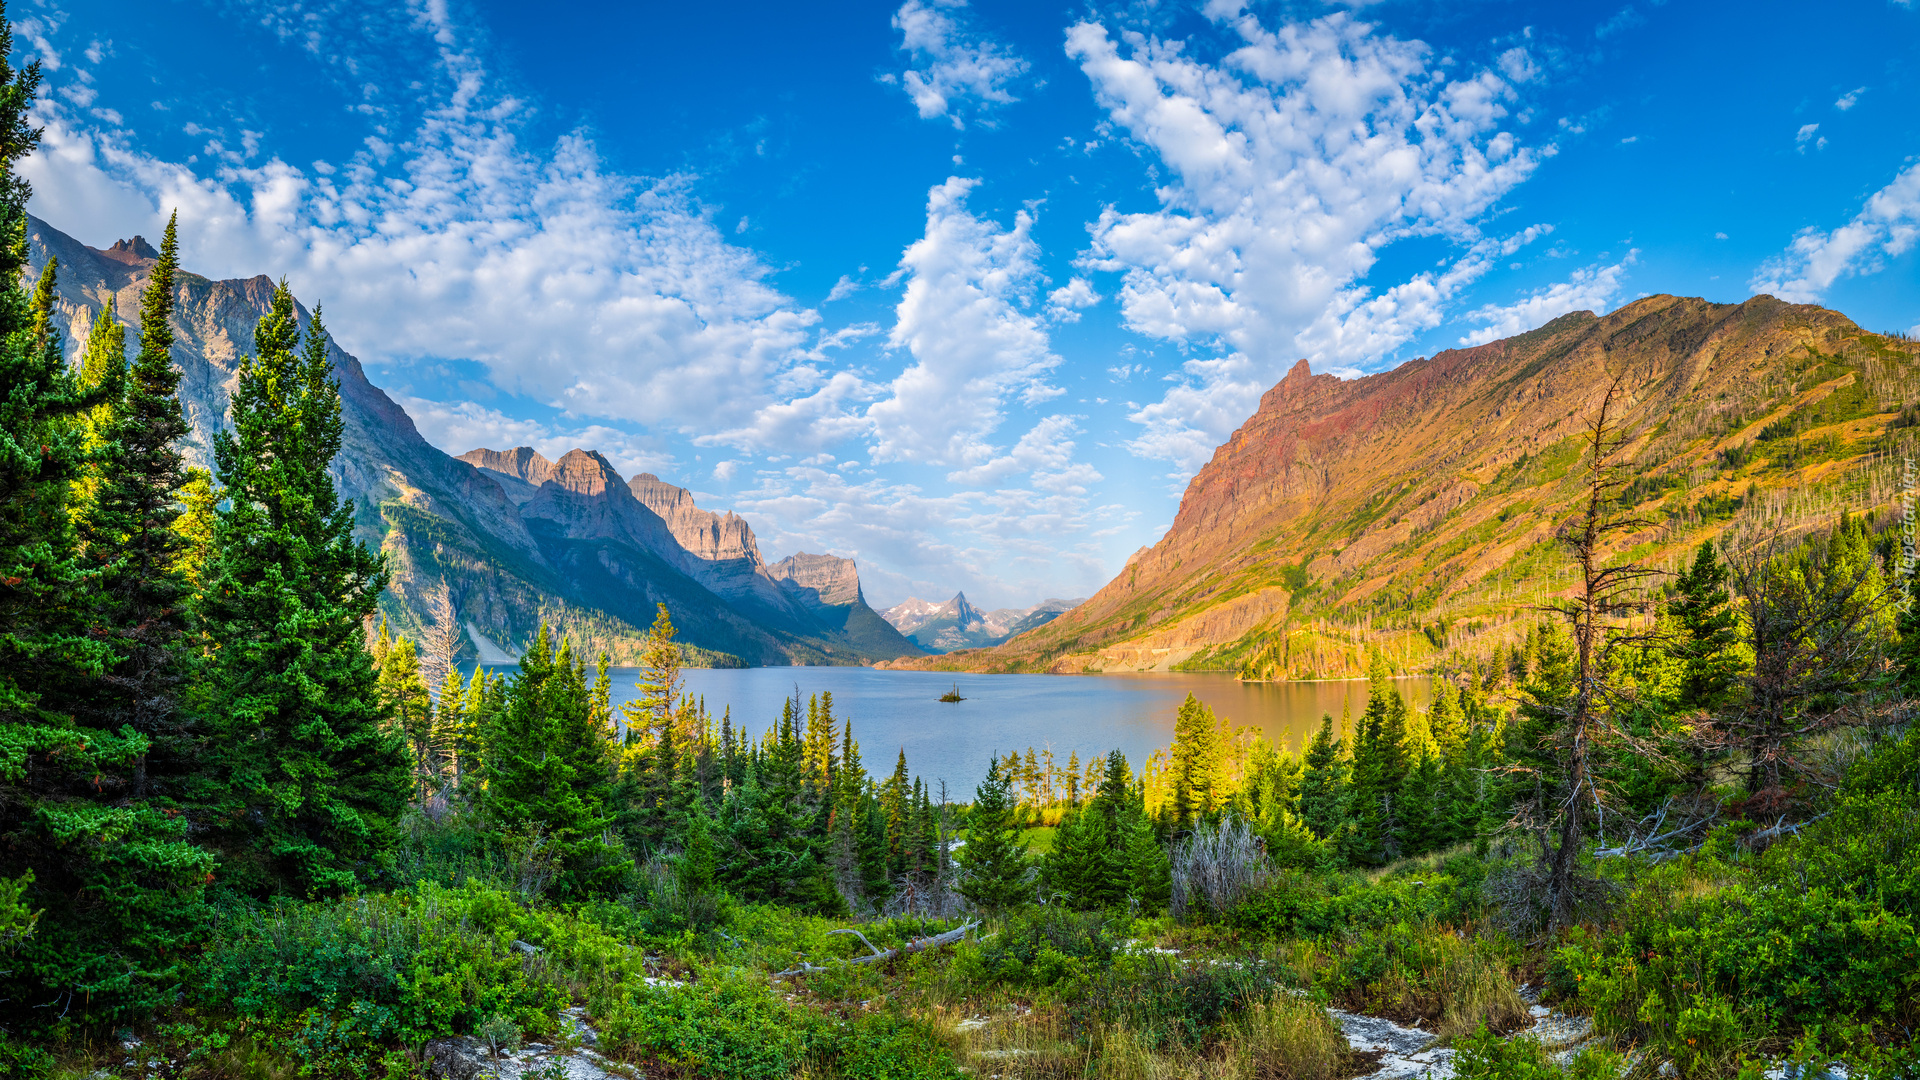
point(1484, 1055)
point(1169, 1004)
point(736, 1026)
point(347, 980)
point(1041, 948)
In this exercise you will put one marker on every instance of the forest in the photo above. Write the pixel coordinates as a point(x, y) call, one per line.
point(248, 832)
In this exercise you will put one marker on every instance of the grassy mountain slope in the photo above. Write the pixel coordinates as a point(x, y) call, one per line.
point(1414, 511)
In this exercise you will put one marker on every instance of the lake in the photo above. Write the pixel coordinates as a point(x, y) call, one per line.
point(1083, 714)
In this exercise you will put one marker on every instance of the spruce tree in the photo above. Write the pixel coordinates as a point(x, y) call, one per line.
point(316, 778)
point(1322, 788)
point(131, 528)
point(1708, 632)
point(1197, 764)
point(115, 883)
point(896, 801)
point(410, 710)
point(1149, 872)
point(995, 859)
point(778, 842)
point(1906, 659)
point(547, 770)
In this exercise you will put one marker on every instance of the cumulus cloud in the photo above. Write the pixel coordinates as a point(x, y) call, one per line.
point(457, 427)
point(1293, 161)
point(1849, 99)
point(1065, 302)
point(1046, 453)
point(955, 66)
point(963, 322)
point(1591, 288)
point(600, 294)
point(1805, 135)
point(1884, 228)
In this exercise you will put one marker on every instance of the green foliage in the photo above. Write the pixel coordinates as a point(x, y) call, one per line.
point(546, 768)
point(84, 845)
point(994, 858)
point(1042, 947)
point(315, 780)
point(1168, 1004)
point(342, 981)
point(738, 1027)
point(1484, 1055)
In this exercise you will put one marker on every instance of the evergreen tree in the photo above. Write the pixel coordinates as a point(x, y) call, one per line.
point(200, 499)
point(1708, 632)
point(410, 710)
point(1149, 872)
point(1197, 765)
point(1323, 785)
point(777, 840)
point(895, 801)
point(994, 857)
point(546, 769)
point(1375, 803)
point(819, 745)
point(317, 779)
point(100, 891)
point(1906, 658)
point(699, 859)
point(649, 760)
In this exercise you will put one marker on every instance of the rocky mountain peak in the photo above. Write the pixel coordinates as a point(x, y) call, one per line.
point(132, 252)
point(820, 579)
point(585, 472)
point(523, 463)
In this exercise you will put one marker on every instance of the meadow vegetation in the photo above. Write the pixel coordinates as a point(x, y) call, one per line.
point(247, 833)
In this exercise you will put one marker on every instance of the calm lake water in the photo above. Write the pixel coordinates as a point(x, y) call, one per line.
point(1083, 714)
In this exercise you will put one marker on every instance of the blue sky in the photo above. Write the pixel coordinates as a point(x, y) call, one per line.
point(968, 291)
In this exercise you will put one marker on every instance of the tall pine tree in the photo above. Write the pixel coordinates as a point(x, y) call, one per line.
point(317, 779)
point(994, 857)
point(117, 884)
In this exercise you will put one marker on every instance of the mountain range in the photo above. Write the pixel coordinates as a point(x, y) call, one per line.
point(957, 624)
point(517, 541)
point(1413, 513)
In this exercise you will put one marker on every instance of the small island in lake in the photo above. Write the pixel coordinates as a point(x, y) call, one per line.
point(953, 694)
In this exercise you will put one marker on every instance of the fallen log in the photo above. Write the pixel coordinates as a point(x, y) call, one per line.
point(937, 941)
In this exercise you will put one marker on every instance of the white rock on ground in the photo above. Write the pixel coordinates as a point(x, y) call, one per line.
point(462, 1058)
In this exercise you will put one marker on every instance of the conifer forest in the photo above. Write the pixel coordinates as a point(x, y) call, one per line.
point(255, 827)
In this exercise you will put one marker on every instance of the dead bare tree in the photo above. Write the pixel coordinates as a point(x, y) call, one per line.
point(1609, 594)
point(440, 640)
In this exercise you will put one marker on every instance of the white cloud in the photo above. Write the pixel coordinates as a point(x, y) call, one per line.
point(600, 294)
point(1884, 228)
point(1806, 133)
point(457, 427)
point(1046, 453)
point(1626, 19)
point(1065, 302)
point(972, 345)
point(842, 289)
point(955, 63)
point(1849, 99)
point(1589, 289)
point(1293, 161)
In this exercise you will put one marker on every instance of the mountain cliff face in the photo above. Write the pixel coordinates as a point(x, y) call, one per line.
point(635, 542)
point(518, 541)
point(1414, 511)
point(957, 624)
